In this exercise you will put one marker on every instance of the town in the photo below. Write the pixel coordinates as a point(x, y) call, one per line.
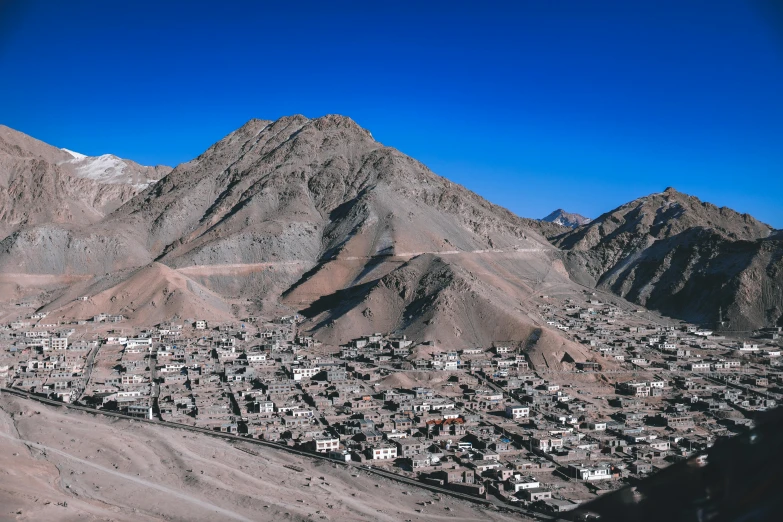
point(499, 420)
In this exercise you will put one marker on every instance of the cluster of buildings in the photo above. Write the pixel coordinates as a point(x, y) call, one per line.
point(482, 420)
point(35, 354)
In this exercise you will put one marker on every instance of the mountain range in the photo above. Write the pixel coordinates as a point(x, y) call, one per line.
point(315, 216)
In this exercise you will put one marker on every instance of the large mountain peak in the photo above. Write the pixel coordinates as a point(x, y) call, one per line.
point(326, 180)
point(295, 212)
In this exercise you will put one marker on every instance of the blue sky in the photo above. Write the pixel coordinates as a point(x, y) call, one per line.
point(534, 105)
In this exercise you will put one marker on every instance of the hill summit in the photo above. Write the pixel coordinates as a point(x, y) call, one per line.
point(687, 258)
point(566, 219)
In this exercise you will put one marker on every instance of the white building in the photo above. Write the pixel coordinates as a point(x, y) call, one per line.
point(637, 389)
point(58, 343)
point(305, 373)
point(589, 472)
point(327, 444)
point(517, 411)
point(130, 343)
point(383, 452)
point(518, 482)
point(699, 366)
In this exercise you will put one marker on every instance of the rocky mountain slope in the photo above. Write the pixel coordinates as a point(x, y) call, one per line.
point(314, 216)
point(686, 258)
point(42, 184)
point(285, 179)
point(566, 219)
point(319, 216)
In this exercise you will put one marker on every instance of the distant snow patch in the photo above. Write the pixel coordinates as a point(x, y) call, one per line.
point(75, 154)
point(104, 169)
point(143, 186)
point(566, 219)
point(107, 169)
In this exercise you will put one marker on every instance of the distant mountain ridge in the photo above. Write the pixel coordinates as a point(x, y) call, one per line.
point(42, 184)
point(566, 219)
point(108, 169)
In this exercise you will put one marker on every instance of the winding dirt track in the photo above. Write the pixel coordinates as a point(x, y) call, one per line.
point(250, 267)
point(137, 480)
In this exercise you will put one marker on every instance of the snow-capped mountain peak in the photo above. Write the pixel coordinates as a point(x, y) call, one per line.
point(108, 169)
point(566, 219)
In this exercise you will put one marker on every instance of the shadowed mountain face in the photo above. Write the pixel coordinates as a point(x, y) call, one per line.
point(685, 258)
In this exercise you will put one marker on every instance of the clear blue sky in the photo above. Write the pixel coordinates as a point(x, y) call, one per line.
point(534, 105)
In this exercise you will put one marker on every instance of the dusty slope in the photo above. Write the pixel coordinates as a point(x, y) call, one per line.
point(57, 249)
point(686, 258)
point(146, 296)
point(118, 470)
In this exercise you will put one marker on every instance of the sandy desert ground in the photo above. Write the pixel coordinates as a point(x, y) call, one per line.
point(114, 469)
